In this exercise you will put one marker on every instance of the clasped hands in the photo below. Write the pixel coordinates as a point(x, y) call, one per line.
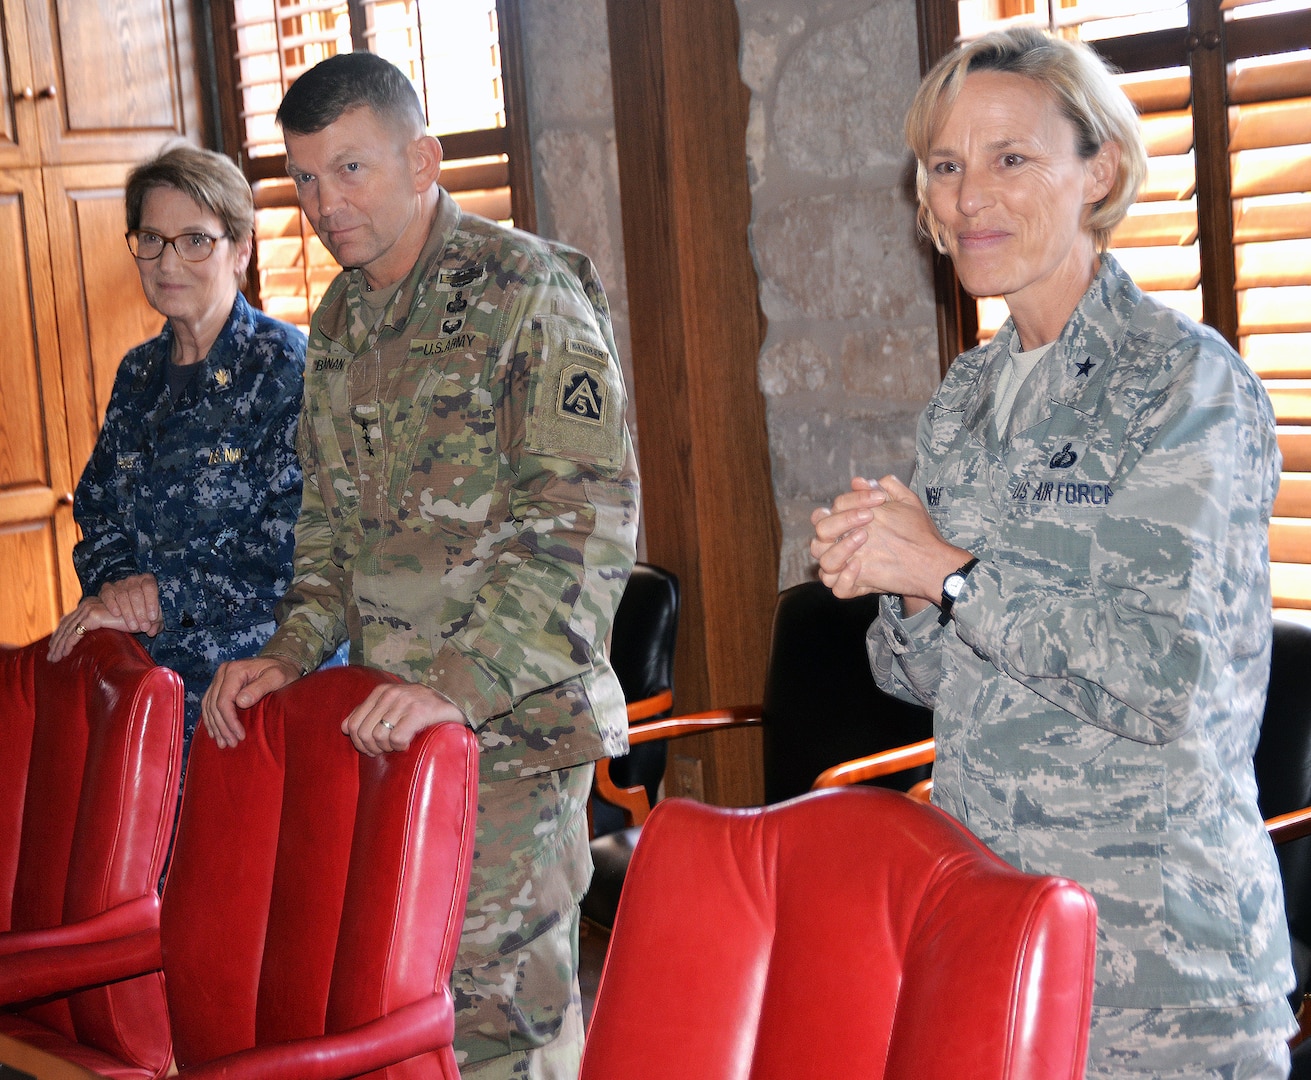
point(130, 604)
point(879, 538)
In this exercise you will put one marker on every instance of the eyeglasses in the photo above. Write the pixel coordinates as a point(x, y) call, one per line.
point(191, 247)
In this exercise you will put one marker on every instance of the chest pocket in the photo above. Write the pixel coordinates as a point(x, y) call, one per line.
point(447, 459)
point(127, 480)
point(220, 481)
point(324, 429)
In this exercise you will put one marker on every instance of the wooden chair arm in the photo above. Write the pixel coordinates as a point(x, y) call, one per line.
point(651, 706)
point(633, 800)
point(883, 763)
point(1291, 826)
point(673, 727)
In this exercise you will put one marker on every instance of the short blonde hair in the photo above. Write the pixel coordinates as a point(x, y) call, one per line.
point(1083, 89)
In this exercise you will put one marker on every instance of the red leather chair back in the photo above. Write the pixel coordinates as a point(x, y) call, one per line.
point(90, 759)
point(313, 889)
point(845, 933)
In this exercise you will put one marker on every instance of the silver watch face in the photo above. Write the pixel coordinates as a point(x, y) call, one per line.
point(953, 584)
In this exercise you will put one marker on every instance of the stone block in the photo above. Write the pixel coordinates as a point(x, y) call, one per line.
point(843, 93)
point(794, 364)
point(842, 256)
point(892, 363)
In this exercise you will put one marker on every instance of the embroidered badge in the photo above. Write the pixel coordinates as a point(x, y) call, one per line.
point(1064, 458)
point(1084, 368)
point(586, 348)
point(450, 326)
point(449, 342)
point(226, 455)
point(457, 305)
point(1061, 494)
point(462, 278)
point(582, 395)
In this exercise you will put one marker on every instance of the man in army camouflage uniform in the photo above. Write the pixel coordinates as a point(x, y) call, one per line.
point(468, 522)
point(1078, 573)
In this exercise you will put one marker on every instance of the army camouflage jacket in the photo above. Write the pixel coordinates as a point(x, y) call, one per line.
point(1098, 690)
point(203, 491)
point(470, 508)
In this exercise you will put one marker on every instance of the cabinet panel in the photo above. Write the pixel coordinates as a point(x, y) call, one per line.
point(114, 79)
point(36, 517)
point(100, 307)
point(31, 606)
point(18, 134)
point(90, 87)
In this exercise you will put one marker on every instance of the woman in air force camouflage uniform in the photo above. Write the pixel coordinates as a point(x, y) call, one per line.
point(1076, 578)
point(187, 504)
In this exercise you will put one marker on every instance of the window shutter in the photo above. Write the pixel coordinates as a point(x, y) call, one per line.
point(463, 59)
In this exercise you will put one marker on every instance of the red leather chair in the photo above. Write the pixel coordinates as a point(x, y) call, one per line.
point(314, 902)
point(314, 898)
point(838, 935)
point(90, 756)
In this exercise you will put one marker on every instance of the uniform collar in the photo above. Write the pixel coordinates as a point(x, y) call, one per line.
point(333, 315)
point(221, 368)
point(1073, 374)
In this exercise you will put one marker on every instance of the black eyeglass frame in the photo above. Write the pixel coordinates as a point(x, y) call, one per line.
point(133, 235)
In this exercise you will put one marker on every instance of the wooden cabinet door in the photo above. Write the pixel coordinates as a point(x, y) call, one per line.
point(36, 515)
point(99, 306)
point(19, 143)
point(113, 79)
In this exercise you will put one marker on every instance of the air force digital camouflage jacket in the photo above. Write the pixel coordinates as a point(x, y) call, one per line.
point(1099, 688)
point(469, 518)
point(202, 492)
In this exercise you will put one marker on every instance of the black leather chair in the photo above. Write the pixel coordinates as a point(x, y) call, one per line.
point(1283, 780)
point(642, 645)
point(821, 707)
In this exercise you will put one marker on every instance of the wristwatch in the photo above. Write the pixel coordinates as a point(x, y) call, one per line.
point(951, 587)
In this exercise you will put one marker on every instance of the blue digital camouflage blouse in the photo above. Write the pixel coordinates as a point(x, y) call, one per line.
point(201, 491)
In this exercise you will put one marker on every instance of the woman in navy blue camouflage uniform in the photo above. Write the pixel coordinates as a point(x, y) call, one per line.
point(188, 502)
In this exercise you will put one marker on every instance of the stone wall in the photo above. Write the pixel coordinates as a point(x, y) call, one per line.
point(851, 352)
point(850, 356)
point(571, 118)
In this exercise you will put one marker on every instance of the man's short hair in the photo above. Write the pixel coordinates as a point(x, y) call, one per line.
point(347, 81)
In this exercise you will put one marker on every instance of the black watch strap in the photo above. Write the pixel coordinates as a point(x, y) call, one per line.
point(950, 589)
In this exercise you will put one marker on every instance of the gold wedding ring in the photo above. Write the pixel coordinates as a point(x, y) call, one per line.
point(80, 629)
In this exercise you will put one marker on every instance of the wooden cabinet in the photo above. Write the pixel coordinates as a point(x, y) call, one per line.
point(90, 88)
